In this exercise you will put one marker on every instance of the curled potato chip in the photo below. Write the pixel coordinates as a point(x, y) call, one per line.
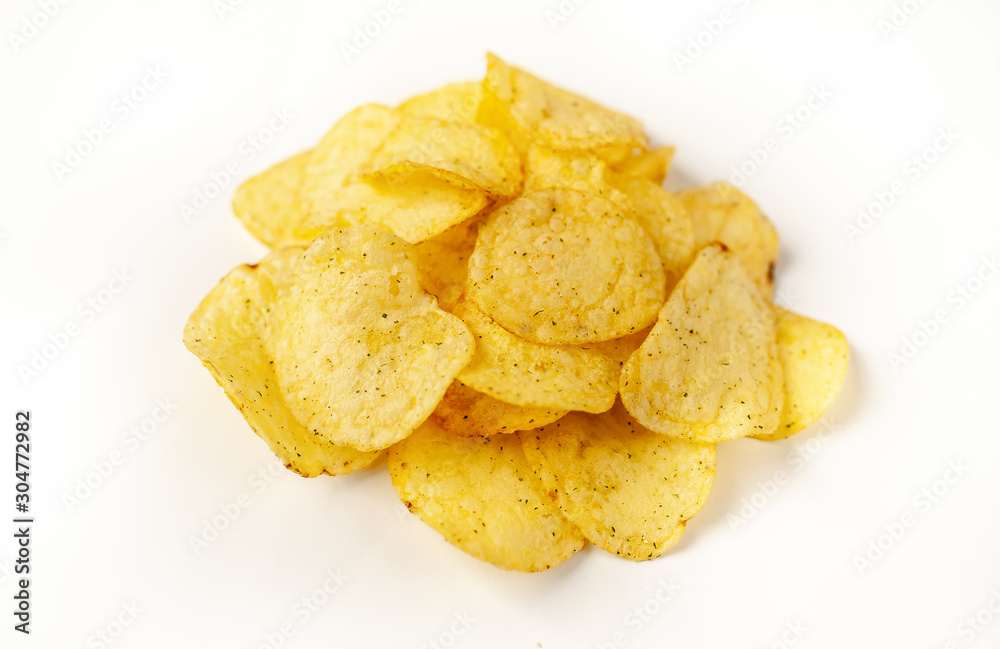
point(443, 262)
point(229, 333)
point(629, 490)
point(709, 369)
point(565, 267)
point(481, 495)
point(720, 212)
point(364, 355)
point(455, 102)
point(470, 413)
point(652, 165)
point(815, 357)
point(268, 204)
point(528, 374)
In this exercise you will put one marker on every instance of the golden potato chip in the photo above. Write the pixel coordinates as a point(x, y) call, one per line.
point(443, 262)
point(565, 267)
point(814, 356)
point(720, 212)
point(228, 333)
point(615, 155)
point(620, 349)
point(364, 354)
point(529, 109)
point(482, 497)
point(709, 369)
point(455, 102)
point(268, 204)
point(469, 413)
point(546, 168)
point(528, 374)
point(629, 490)
point(651, 165)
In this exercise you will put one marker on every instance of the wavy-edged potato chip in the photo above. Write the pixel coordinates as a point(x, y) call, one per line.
point(364, 354)
point(566, 267)
point(709, 369)
point(228, 332)
point(268, 204)
point(815, 358)
point(529, 109)
point(720, 212)
point(469, 413)
point(629, 490)
point(455, 102)
point(524, 373)
point(481, 495)
point(652, 165)
point(443, 262)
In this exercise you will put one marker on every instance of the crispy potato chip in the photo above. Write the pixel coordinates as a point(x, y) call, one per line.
point(529, 109)
point(651, 165)
point(566, 267)
point(469, 413)
point(815, 357)
point(364, 355)
point(455, 102)
point(482, 497)
point(709, 369)
point(546, 168)
point(615, 155)
point(228, 333)
point(720, 212)
point(629, 490)
point(443, 262)
point(268, 204)
point(528, 374)
point(620, 349)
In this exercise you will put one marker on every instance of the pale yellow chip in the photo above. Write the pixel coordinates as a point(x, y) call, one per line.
point(364, 354)
point(709, 369)
point(720, 212)
point(455, 102)
point(524, 373)
point(566, 267)
point(530, 109)
point(620, 349)
point(268, 204)
point(469, 413)
point(815, 358)
point(546, 169)
point(652, 165)
point(229, 333)
point(443, 262)
point(481, 495)
point(629, 490)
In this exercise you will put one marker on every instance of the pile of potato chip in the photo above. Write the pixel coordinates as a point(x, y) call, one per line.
point(489, 284)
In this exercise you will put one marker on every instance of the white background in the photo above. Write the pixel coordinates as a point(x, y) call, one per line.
point(741, 580)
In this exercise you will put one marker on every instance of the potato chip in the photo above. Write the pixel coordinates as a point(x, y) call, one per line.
point(615, 155)
point(629, 490)
point(455, 102)
point(546, 168)
point(228, 333)
point(565, 267)
point(709, 369)
point(482, 497)
point(528, 374)
point(651, 165)
point(268, 204)
point(364, 355)
point(720, 212)
point(443, 262)
point(620, 349)
point(468, 413)
point(815, 357)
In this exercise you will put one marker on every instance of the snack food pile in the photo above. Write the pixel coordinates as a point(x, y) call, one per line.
point(489, 286)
